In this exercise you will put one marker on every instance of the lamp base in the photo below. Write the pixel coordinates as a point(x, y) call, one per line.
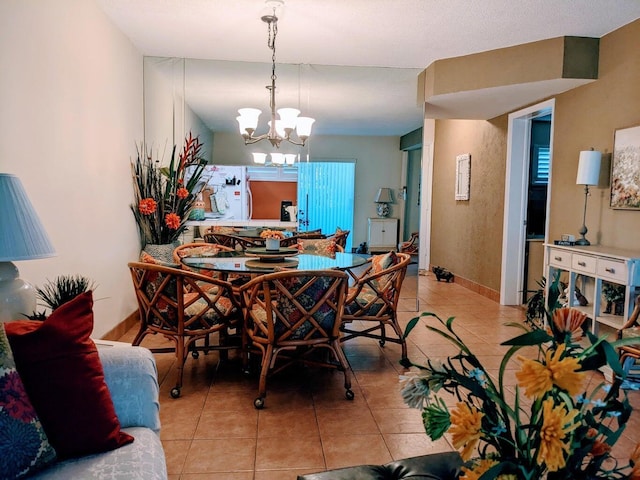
point(383, 209)
point(17, 297)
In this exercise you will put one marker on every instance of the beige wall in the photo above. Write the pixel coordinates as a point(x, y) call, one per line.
point(587, 117)
point(467, 236)
point(71, 95)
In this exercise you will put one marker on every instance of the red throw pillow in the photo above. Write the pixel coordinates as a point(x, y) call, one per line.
point(62, 373)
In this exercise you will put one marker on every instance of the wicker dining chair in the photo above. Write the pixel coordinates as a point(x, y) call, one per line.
point(232, 241)
point(184, 307)
point(373, 299)
point(196, 249)
point(289, 315)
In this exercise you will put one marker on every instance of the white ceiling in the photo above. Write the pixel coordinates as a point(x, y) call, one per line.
point(353, 64)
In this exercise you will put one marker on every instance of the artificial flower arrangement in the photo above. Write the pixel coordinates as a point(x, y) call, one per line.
point(164, 196)
point(559, 431)
point(272, 234)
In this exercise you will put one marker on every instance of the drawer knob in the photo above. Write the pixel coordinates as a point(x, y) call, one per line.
point(610, 270)
point(582, 264)
point(557, 259)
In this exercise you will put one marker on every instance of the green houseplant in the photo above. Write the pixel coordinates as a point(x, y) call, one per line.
point(164, 196)
point(550, 426)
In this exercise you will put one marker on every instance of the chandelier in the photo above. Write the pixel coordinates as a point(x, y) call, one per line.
point(279, 128)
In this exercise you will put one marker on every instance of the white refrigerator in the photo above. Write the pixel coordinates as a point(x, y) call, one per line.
point(231, 194)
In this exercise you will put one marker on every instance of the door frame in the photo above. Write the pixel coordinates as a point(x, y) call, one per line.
point(515, 199)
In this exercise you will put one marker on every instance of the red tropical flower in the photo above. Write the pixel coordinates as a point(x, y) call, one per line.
point(182, 192)
point(147, 206)
point(172, 221)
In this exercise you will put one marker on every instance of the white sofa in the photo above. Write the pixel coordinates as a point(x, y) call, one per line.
point(131, 375)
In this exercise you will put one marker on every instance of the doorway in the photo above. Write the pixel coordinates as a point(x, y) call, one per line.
point(514, 259)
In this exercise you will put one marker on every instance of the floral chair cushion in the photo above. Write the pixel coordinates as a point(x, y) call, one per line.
point(359, 304)
point(325, 316)
point(326, 247)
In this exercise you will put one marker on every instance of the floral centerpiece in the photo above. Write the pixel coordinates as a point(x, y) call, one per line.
point(165, 195)
point(549, 425)
point(272, 234)
point(272, 239)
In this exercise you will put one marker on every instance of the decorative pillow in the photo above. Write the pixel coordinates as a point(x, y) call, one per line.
point(24, 447)
point(326, 247)
point(63, 376)
point(146, 258)
point(382, 262)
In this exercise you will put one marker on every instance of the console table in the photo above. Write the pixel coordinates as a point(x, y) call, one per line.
point(590, 266)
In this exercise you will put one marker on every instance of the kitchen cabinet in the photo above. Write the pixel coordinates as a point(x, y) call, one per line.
point(588, 268)
point(382, 234)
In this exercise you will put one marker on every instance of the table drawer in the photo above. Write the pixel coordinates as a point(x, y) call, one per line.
point(612, 270)
point(583, 263)
point(559, 258)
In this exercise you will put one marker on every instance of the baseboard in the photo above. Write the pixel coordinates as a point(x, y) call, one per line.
point(477, 288)
point(123, 327)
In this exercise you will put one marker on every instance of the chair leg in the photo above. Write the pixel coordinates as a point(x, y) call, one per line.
point(264, 370)
point(344, 364)
point(180, 359)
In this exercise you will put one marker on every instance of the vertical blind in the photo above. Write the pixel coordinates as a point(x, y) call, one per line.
point(326, 197)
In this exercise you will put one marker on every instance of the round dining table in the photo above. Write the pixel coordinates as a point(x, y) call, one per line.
point(243, 263)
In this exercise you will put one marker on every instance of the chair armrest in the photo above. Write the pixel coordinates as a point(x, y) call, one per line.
point(132, 378)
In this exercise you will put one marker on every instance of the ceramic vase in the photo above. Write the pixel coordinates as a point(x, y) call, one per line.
point(272, 244)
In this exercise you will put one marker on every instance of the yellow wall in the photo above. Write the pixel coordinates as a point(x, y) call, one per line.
point(467, 236)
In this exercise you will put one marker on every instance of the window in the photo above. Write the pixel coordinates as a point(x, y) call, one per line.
point(540, 165)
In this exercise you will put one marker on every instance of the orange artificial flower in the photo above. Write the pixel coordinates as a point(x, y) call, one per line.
point(538, 378)
point(557, 423)
point(147, 206)
point(465, 428)
point(569, 320)
point(182, 193)
point(172, 221)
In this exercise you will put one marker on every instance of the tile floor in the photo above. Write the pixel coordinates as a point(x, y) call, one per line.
point(213, 431)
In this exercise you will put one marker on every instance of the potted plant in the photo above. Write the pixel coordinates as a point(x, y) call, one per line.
point(613, 293)
point(164, 196)
point(55, 293)
point(554, 424)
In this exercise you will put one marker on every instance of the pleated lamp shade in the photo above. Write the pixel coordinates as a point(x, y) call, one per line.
point(22, 237)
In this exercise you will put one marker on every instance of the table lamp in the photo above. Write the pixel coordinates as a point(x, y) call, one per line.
point(383, 199)
point(588, 174)
point(22, 237)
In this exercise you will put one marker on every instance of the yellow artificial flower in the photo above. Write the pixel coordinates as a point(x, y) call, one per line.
point(538, 378)
point(465, 428)
point(557, 423)
point(480, 467)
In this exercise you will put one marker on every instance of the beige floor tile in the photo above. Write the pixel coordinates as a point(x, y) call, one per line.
point(221, 455)
point(175, 452)
point(281, 422)
point(290, 451)
point(349, 450)
point(346, 422)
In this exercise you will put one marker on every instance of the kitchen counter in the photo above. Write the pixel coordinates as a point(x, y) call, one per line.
point(226, 222)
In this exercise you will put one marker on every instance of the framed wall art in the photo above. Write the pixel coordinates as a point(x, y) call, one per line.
point(463, 176)
point(625, 169)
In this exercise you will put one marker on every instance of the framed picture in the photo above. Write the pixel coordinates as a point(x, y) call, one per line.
point(625, 169)
point(463, 176)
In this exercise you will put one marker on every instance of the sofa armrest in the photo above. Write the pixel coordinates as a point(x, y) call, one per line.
point(132, 379)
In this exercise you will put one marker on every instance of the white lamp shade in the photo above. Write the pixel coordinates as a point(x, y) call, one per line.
point(303, 127)
point(288, 117)
point(277, 158)
point(290, 158)
point(248, 119)
point(259, 157)
point(589, 167)
point(384, 196)
point(22, 236)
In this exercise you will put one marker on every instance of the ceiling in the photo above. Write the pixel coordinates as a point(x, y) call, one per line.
point(351, 64)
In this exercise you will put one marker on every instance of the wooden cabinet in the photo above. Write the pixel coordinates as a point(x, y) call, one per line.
point(383, 234)
point(590, 269)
